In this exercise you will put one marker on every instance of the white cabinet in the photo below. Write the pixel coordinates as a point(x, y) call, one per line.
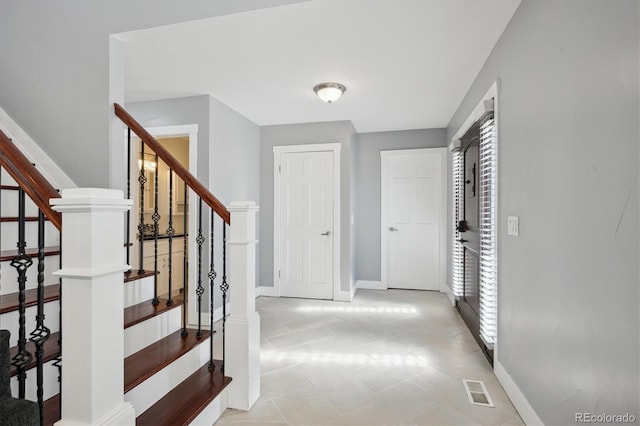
point(177, 264)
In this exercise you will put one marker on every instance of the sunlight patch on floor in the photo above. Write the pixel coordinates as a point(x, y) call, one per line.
point(360, 309)
point(345, 358)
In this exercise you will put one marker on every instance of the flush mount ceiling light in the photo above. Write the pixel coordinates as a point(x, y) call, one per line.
point(329, 92)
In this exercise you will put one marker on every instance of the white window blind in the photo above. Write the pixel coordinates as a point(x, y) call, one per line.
point(488, 255)
point(457, 254)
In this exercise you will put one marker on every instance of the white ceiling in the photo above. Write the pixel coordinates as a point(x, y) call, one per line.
point(407, 64)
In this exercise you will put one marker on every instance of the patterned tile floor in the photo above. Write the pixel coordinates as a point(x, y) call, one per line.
point(394, 357)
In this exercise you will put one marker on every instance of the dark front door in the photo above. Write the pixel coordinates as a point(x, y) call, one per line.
point(469, 227)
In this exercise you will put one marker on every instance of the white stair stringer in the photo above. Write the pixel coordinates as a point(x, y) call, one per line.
point(50, 386)
point(143, 334)
point(9, 321)
point(137, 291)
point(213, 411)
point(155, 387)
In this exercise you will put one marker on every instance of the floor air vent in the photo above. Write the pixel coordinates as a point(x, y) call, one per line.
point(477, 393)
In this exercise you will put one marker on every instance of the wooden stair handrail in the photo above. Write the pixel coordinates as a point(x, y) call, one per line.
point(36, 186)
point(173, 164)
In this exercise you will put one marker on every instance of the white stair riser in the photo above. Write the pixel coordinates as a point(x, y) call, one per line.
point(155, 387)
point(150, 331)
point(9, 320)
point(138, 291)
point(9, 283)
point(10, 235)
point(213, 411)
point(10, 203)
point(50, 383)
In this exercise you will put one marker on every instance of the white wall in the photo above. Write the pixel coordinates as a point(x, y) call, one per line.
point(568, 167)
point(300, 134)
point(55, 70)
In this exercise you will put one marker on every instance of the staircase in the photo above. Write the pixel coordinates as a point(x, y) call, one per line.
point(173, 371)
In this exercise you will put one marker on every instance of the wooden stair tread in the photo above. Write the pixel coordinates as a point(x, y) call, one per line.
point(33, 252)
point(9, 302)
point(17, 219)
point(137, 275)
point(143, 311)
point(184, 402)
point(52, 410)
point(51, 350)
point(148, 361)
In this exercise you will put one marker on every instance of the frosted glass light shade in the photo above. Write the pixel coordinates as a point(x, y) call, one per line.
point(329, 92)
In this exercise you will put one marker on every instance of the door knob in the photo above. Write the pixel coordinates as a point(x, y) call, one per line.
point(392, 229)
point(325, 234)
point(462, 240)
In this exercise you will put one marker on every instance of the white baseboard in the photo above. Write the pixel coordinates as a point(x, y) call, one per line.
point(526, 411)
point(50, 170)
point(344, 296)
point(370, 285)
point(449, 294)
point(265, 291)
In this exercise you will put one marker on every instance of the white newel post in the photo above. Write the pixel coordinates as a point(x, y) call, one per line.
point(92, 316)
point(242, 351)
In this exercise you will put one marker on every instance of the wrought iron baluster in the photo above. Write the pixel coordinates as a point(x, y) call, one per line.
point(155, 217)
point(41, 333)
point(212, 277)
point(21, 262)
point(185, 264)
point(58, 360)
point(128, 220)
point(170, 233)
point(224, 287)
point(142, 179)
point(199, 289)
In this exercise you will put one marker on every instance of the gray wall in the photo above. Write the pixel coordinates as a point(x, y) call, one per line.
point(367, 189)
point(55, 70)
point(353, 176)
point(234, 162)
point(568, 166)
point(300, 134)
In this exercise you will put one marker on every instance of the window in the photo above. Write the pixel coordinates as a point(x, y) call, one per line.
point(458, 215)
point(488, 254)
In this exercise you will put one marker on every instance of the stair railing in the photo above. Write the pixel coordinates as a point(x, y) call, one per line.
point(29, 350)
point(217, 216)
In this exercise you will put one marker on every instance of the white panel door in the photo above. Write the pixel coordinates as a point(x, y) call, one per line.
point(306, 215)
point(412, 215)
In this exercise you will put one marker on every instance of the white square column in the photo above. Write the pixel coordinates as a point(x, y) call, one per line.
point(242, 350)
point(92, 316)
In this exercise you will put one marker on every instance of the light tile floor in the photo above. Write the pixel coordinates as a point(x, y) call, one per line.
point(394, 357)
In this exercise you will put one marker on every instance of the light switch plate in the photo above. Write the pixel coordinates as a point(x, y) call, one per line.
point(513, 225)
